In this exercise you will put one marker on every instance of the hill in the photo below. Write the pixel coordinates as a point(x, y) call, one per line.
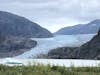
point(14, 25)
point(89, 28)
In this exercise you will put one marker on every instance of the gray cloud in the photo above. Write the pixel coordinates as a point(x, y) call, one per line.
point(54, 13)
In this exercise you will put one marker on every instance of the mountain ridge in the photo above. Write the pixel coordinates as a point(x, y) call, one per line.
point(88, 28)
point(14, 25)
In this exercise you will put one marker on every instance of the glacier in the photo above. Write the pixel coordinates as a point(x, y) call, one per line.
point(44, 45)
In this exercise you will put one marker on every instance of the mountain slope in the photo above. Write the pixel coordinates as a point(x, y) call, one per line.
point(89, 28)
point(89, 50)
point(12, 46)
point(13, 25)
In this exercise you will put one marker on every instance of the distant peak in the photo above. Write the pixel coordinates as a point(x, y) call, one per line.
point(95, 21)
point(4, 11)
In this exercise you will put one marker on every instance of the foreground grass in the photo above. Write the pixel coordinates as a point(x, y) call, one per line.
point(48, 70)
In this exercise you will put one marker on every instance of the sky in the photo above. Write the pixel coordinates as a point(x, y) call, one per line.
point(54, 14)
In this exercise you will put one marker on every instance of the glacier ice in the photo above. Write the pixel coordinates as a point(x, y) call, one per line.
point(46, 44)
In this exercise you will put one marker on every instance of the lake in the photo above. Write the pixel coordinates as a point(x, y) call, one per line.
point(59, 62)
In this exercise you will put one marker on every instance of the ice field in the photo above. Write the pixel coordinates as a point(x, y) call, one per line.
point(46, 44)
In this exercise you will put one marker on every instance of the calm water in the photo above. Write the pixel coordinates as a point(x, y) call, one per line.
point(60, 62)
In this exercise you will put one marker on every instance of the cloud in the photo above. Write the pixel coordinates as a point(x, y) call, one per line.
point(54, 13)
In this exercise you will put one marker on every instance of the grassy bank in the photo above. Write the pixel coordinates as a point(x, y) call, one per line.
point(48, 70)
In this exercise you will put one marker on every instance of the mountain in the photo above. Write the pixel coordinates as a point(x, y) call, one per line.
point(14, 25)
point(13, 46)
point(89, 28)
point(16, 33)
point(89, 50)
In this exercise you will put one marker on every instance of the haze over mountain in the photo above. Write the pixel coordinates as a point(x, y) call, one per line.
point(13, 25)
point(89, 28)
point(54, 14)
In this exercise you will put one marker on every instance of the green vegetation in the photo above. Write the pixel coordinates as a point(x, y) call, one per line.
point(48, 70)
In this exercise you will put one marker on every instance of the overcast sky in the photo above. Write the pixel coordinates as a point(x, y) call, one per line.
point(54, 14)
